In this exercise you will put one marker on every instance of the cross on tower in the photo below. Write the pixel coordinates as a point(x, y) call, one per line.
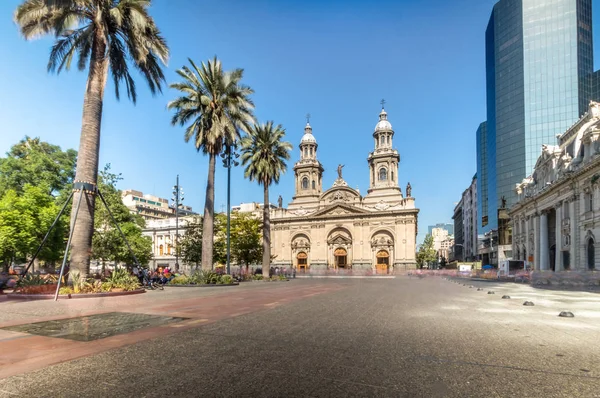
point(382, 103)
point(307, 118)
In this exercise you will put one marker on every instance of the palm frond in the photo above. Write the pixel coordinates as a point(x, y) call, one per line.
point(264, 153)
point(219, 105)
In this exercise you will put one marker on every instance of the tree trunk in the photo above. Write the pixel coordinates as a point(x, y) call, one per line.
point(87, 157)
point(208, 223)
point(266, 262)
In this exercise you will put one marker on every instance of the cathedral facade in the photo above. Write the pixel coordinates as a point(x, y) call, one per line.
point(340, 229)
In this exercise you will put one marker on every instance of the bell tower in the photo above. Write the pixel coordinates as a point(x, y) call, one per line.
point(308, 171)
point(383, 161)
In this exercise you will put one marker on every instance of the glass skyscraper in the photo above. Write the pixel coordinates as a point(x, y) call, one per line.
point(539, 65)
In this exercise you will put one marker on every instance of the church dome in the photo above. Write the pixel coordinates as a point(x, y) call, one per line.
point(308, 137)
point(383, 124)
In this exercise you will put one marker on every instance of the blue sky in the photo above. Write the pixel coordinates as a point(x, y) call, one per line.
point(333, 59)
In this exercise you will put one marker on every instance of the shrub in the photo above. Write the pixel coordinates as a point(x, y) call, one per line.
point(66, 290)
point(33, 280)
point(258, 277)
point(226, 279)
point(121, 279)
point(180, 280)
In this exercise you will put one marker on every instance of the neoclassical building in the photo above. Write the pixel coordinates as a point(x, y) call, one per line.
point(556, 221)
point(340, 229)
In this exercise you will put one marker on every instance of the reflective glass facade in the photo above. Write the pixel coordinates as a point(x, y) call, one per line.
point(539, 62)
point(482, 176)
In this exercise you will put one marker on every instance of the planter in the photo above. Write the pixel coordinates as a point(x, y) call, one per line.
point(204, 285)
point(23, 296)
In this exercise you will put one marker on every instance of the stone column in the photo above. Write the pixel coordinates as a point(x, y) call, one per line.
point(544, 253)
point(573, 243)
point(536, 242)
point(558, 266)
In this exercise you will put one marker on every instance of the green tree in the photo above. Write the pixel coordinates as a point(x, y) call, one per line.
point(110, 35)
point(264, 153)
point(217, 107)
point(246, 239)
point(37, 163)
point(107, 243)
point(24, 220)
point(190, 244)
point(220, 239)
point(426, 252)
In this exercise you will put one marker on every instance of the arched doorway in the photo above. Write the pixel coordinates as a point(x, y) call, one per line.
point(341, 257)
point(302, 258)
point(591, 253)
point(383, 262)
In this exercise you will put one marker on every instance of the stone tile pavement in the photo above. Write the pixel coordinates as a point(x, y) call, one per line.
point(351, 338)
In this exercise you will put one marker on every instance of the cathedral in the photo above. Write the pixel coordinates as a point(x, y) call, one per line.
point(340, 229)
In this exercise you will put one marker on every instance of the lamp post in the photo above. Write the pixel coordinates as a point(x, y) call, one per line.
point(227, 163)
point(177, 199)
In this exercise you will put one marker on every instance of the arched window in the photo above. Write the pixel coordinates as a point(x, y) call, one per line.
point(313, 184)
point(392, 175)
point(311, 151)
point(382, 174)
point(388, 139)
point(305, 183)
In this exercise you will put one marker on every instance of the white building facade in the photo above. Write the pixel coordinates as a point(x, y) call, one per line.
point(469, 201)
point(163, 234)
point(556, 221)
point(338, 228)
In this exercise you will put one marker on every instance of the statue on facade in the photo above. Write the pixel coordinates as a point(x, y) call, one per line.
point(339, 170)
point(503, 199)
point(408, 190)
point(280, 201)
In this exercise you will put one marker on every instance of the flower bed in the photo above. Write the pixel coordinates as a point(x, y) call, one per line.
point(46, 296)
point(207, 278)
point(120, 281)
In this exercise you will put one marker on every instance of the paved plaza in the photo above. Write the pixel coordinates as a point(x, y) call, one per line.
point(402, 337)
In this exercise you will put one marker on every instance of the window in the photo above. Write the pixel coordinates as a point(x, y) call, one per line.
point(313, 184)
point(388, 139)
point(383, 174)
point(311, 151)
point(305, 183)
point(160, 250)
point(589, 201)
point(392, 173)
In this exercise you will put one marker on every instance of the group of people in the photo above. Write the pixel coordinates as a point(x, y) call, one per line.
point(160, 275)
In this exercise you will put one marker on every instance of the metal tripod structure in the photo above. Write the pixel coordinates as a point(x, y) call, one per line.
point(81, 188)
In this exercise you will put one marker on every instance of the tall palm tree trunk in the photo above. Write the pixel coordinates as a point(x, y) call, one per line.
point(209, 216)
point(87, 158)
point(266, 262)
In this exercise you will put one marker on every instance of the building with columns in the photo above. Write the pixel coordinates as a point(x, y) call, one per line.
point(556, 221)
point(163, 234)
point(337, 228)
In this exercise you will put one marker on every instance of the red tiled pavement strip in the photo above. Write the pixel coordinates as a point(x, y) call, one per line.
point(22, 353)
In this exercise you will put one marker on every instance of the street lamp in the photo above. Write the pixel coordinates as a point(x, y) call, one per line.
point(227, 163)
point(177, 199)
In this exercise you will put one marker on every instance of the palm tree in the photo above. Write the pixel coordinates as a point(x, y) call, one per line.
point(264, 153)
point(105, 33)
point(218, 108)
